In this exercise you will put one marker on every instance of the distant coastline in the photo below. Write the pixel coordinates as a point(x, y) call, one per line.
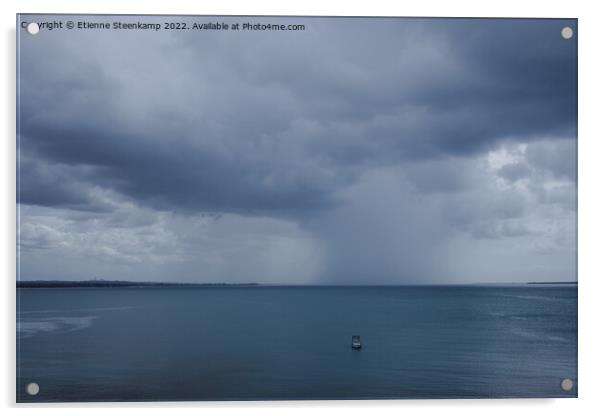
point(115, 283)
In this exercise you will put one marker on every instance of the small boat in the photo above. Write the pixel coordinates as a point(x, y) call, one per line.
point(356, 344)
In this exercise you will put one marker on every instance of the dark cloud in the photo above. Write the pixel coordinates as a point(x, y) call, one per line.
point(56, 185)
point(280, 133)
point(449, 175)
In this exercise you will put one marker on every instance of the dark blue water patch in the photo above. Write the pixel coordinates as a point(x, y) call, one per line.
point(271, 343)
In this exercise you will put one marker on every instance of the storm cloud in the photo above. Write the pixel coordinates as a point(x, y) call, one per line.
point(356, 151)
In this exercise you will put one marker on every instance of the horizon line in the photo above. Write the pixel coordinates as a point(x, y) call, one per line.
point(165, 283)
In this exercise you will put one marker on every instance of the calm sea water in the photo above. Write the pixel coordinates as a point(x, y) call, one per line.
point(294, 342)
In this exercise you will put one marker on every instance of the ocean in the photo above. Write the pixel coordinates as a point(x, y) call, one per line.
point(289, 343)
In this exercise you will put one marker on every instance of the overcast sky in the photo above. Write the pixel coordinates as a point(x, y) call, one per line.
point(357, 151)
